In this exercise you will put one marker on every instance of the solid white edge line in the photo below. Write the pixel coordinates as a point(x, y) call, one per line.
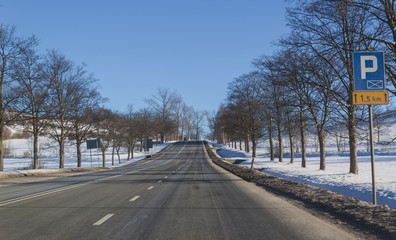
point(39, 194)
point(44, 193)
point(103, 219)
point(134, 198)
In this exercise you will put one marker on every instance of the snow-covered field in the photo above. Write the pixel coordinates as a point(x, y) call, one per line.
point(19, 153)
point(336, 177)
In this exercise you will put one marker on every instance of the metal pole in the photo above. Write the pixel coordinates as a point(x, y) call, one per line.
point(372, 153)
point(97, 154)
point(90, 153)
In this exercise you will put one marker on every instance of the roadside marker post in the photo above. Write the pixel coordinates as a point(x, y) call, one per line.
point(369, 89)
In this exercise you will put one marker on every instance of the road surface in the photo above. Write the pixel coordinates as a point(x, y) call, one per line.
point(181, 195)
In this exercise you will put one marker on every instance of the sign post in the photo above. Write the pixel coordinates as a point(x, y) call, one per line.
point(147, 145)
point(369, 89)
point(372, 154)
point(92, 144)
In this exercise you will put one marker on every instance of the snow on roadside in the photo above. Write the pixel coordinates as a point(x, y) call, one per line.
point(20, 152)
point(336, 177)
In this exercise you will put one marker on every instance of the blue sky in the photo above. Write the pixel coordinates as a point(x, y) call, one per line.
point(195, 47)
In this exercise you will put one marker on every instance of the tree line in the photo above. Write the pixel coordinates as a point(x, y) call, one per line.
point(307, 85)
point(51, 95)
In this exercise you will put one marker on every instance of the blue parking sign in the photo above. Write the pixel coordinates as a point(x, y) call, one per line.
point(369, 71)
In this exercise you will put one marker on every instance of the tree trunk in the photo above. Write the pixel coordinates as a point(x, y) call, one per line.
point(132, 147)
point(271, 142)
point(291, 147)
point(321, 137)
point(112, 154)
point(338, 142)
point(129, 151)
point(79, 153)
point(35, 150)
point(2, 73)
point(118, 155)
point(177, 128)
point(290, 130)
point(247, 146)
point(353, 168)
point(302, 133)
point(103, 157)
point(280, 145)
point(253, 138)
point(62, 152)
point(1, 145)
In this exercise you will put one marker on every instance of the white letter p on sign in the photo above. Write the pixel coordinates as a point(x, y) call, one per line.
point(364, 69)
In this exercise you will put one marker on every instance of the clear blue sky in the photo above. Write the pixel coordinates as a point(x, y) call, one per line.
point(133, 47)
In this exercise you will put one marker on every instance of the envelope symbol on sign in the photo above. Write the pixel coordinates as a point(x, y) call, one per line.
point(375, 84)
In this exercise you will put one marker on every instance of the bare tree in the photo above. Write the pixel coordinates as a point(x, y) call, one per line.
point(198, 120)
point(319, 102)
point(291, 67)
point(145, 125)
point(164, 104)
point(63, 81)
point(11, 51)
point(187, 120)
point(274, 94)
point(33, 94)
point(105, 130)
point(245, 93)
point(220, 125)
point(86, 100)
point(131, 130)
point(178, 117)
point(211, 119)
point(117, 134)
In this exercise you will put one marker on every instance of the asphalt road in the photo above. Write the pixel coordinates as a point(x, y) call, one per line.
point(182, 195)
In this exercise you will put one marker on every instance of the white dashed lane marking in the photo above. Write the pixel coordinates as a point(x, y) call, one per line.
point(134, 198)
point(103, 219)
